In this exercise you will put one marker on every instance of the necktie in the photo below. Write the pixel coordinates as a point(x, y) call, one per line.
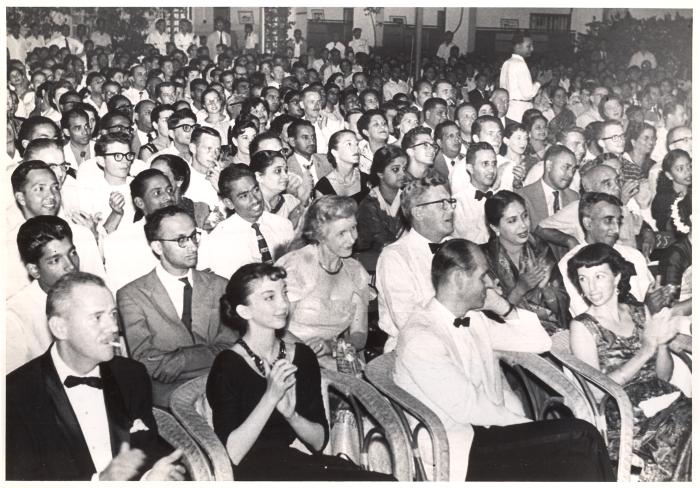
point(93, 381)
point(556, 201)
point(72, 172)
point(461, 322)
point(265, 255)
point(434, 246)
point(67, 45)
point(187, 303)
point(221, 37)
point(309, 177)
point(479, 195)
point(141, 95)
point(452, 162)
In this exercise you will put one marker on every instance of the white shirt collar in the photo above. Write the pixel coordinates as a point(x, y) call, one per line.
point(303, 161)
point(164, 276)
point(64, 370)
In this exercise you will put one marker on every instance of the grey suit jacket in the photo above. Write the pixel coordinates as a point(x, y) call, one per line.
point(156, 334)
point(299, 187)
point(441, 164)
point(537, 204)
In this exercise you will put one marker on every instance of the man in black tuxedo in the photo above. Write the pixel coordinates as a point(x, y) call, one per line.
point(77, 412)
point(479, 94)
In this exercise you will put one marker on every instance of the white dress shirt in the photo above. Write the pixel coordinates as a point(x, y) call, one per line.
point(32, 42)
point(515, 77)
point(134, 95)
point(89, 407)
point(173, 286)
point(184, 41)
point(403, 282)
point(74, 45)
point(17, 47)
point(159, 41)
point(324, 133)
point(359, 45)
point(233, 243)
point(201, 190)
point(95, 192)
point(549, 197)
point(27, 334)
point(251, 40)
point(456, 373)
point(639, 284)
point(101, 39)
point(127, 254)
point(469, 219)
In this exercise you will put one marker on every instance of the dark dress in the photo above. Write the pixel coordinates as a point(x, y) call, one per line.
point(676, 260)
point(375, 229)
point(658, 440)
point(234, 389)
point(324, 186)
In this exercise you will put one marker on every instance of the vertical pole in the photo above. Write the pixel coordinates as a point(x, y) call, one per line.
point(262, 30)
point(419, 42)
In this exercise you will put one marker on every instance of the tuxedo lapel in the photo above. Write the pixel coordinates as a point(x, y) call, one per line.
point(66, 420)
point(117, 416)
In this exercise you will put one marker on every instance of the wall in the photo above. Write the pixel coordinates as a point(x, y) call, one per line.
point(203, 20)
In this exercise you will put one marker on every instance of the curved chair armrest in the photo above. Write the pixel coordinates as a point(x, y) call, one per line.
point(561, 350)
point(192, 456)
point(387, 421)
point(380, 372)
point(183, 403)
point(553, 377)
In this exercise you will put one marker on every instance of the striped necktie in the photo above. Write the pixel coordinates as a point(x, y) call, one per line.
point(265, 255)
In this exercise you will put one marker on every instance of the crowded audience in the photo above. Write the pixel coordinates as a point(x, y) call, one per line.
point(218, 210)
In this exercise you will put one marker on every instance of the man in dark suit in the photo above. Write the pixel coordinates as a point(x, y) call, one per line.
point(551, 193)
point(479, 94)
point(171, 315)
point(448, 138)
point(306, 166)
point(77, 412)
point(500, 99)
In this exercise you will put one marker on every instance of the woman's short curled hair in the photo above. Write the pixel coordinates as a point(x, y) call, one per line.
point(597, 254)
point(497, 204)
point(414, 190)
point(240, 287)
point(323, 211)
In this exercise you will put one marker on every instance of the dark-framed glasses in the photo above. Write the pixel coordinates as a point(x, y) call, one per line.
point(183, 240)
point(186, 127)
point(120, 128)
point(615, 138)
point(425, 145)
point(445, 202)
point(119, 156)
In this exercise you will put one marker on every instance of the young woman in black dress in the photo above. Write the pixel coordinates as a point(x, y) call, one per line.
point(264, 394)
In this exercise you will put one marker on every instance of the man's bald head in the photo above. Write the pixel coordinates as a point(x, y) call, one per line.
point(601, 179)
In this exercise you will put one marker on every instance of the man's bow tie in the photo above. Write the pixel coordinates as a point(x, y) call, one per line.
point(93, 381)
point(461, 322)
point(435, 246)
point(480, 194)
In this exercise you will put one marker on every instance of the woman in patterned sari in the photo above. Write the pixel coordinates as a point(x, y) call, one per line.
point(524, 266)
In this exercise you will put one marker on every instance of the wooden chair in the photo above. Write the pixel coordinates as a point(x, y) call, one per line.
point(190, 407)
point(380, 373)
point(587, 376)
point(367, 405)
point(174, 434)
point(188, 404)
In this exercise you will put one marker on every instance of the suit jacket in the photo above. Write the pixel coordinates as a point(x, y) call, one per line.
point(154, 329)
point(536, 203)
point(441, 164)
point(43, 431)
point(475, 98)
point(298, 185)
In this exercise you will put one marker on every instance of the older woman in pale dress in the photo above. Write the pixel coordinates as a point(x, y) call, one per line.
point(328, 290)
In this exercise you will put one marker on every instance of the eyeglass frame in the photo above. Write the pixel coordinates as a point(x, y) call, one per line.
point(121, 128)
point(182, 126)
point(183, 240)
point(432, 144)
point(615, 138)
point(452, 202)
point(684, 139)
point(118, 156)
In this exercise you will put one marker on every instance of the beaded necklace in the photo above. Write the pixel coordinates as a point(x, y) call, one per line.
point(257, 360)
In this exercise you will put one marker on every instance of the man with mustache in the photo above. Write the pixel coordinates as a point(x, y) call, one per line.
point(171, 315)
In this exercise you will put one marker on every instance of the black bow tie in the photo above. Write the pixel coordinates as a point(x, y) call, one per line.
point(461, 322)
point(93, 381)
point(480, 194)
point(435, 246)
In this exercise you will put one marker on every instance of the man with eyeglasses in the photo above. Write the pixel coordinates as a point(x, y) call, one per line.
point(675, 115)
point(105, 195)
point(469, 220)
point(250, 234)
point(403, 268)
point(179, 339)
point(680, 137)
point(421, 150)
point(181, 123)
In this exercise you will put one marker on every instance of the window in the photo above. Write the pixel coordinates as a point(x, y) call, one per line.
point(550, 22)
